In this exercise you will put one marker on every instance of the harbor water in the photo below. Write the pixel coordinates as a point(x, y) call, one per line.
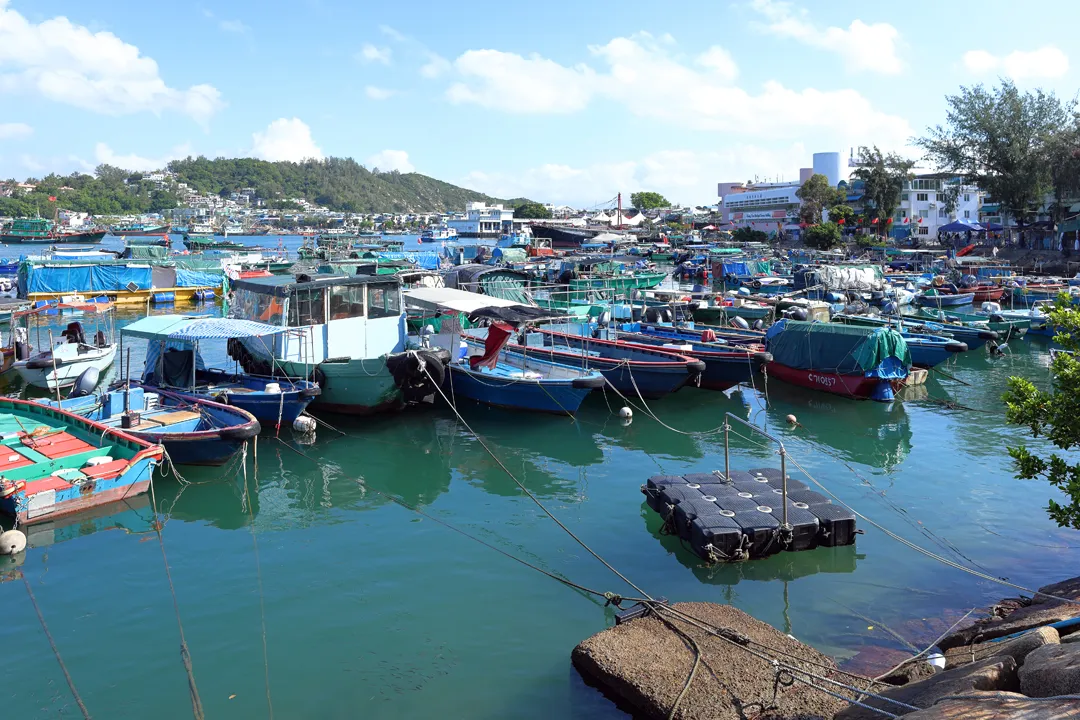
point(367, 608)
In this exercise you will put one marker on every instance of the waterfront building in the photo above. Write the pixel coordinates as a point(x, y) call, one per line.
point(482, 220)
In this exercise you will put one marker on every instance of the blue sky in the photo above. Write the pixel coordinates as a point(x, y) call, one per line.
point(563, 101)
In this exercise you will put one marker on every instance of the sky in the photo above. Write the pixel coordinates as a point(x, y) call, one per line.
point(563, 102)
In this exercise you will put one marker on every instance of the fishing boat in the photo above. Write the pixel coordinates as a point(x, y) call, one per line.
point(440, 233)
point(41, 231)
point(199, 243)
point(193, 431)
point(173, 362)
point(198, 231)
point(491, 374)
point(930, 350)
point(852, 361)
point(345, 332)
point(1005, 328)
point(57, 463)
point(631, 369)
point(726, 364)
point(61, 365)
point(140, 229)
point(933, 297)
point(971, 334)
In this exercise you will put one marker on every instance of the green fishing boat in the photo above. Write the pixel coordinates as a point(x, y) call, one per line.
point(621, 284)
point(1004, 327)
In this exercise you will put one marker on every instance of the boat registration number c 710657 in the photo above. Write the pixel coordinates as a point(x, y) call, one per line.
point(821, 379)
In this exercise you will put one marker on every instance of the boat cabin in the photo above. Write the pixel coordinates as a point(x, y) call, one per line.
point(331, 316)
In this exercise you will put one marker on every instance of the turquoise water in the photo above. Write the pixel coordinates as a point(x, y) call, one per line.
point(372, 610)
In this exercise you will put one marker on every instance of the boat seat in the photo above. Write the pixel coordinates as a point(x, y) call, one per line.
point(105, 471)
point(50, 482)
point(9, 460)
point(56, 446)
point(176, 416)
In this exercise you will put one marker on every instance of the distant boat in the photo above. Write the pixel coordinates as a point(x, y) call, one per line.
point(58, 463)
point(440, 233)
point(195, 244)
point(933, 298)
point(41, 230)
point(140, 229)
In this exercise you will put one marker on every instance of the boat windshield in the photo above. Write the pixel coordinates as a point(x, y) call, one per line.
point(307, 307)
point(258, 306)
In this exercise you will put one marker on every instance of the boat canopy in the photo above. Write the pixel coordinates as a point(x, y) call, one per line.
point(451, 299)
point(844, 349)
point(191, 328)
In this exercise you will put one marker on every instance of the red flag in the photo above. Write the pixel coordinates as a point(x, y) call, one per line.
point(906, 220)
point(888, 221)
point(52, 198)
point(920, 221)
point(874, 221)
point(840, 221)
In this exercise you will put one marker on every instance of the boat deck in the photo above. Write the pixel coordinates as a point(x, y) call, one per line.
point(48, 457)
point(726, 520)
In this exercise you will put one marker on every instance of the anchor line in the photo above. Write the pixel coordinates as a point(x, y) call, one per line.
point(55, 649)
point(258, 574)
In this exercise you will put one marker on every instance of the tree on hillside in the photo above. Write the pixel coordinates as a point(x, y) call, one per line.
point(646, 200)
point(823, 236)
point(883, 177)
point(816, 195)
point(1053, 415)
point(999, 139)
point(532, 211)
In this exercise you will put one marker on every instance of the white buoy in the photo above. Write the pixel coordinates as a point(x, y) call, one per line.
point(626, 413)
point(12, 542)
point(937, 660)
point(304, 424)
point(792, 419)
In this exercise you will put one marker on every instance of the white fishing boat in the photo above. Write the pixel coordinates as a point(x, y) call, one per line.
point(61, 365)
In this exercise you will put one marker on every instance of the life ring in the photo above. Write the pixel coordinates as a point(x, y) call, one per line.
point(756, 284)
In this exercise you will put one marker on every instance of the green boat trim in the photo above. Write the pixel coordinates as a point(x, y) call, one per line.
point(998, 326)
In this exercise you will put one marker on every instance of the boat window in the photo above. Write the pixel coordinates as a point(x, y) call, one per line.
point(257, 306)
point(346, 302)
point(307, 307)
point(383, 301)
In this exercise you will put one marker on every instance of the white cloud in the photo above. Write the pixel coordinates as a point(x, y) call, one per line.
point(15, 130)
point(1046, 62)
point(285, 139)
point(515, 84)
point(370, 53)
point(233, 26)
point(709, 99)
point(435, 67)
point(104, 154)
point(391, 160)
point(378, 93)
point(69, 64)
point(681, 175)
point(862, 46)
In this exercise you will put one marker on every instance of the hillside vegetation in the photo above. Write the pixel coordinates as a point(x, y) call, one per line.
point(340, 184)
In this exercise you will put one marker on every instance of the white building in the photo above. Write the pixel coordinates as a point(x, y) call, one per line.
point(760, 206)
point(482, 220)
point(923, 200)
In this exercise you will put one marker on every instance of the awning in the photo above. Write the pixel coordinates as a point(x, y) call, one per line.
point(452, 299)
point(191, 328)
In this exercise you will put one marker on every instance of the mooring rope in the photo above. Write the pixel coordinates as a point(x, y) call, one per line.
point(258, 575)
point(55, 649)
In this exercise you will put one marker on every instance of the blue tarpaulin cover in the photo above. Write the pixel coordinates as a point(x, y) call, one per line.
point(843, 349)
point(109, 276)
point(197, 278)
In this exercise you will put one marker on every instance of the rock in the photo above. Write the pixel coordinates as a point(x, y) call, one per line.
point(910, 672)
point(1017, 648)
point(1066, 588)
point(996, 673)
point(998, 706)
point(1040, 610)
point(642, 666)
point(1075, 637)
point(1051, 670)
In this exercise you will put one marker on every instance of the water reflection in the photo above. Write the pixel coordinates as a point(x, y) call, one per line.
point(784, 566)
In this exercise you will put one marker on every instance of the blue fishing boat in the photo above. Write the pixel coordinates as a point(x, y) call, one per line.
point(971, 335)
point(631, 369)
point(173, 362)
point(932, 298)
point(491, 374)
point(56, 463)
point(194, 431)
point(727, 364)
point(930, 350)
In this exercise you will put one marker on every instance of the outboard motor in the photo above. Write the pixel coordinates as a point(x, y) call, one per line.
point(85, 383)
point(759, 324)
point(991, 307)
point(798, 313)
point(995, 317)
point(889, 308)
point(738, 322)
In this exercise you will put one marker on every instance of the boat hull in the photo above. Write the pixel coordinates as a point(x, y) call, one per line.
point(546, 397)
point(858, 387)
point(64, 373)
point(93, 236)
point(946, 300)
point(355, 387)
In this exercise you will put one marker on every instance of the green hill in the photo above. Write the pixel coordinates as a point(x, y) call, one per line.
point(340, 184)
point(337, 183)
